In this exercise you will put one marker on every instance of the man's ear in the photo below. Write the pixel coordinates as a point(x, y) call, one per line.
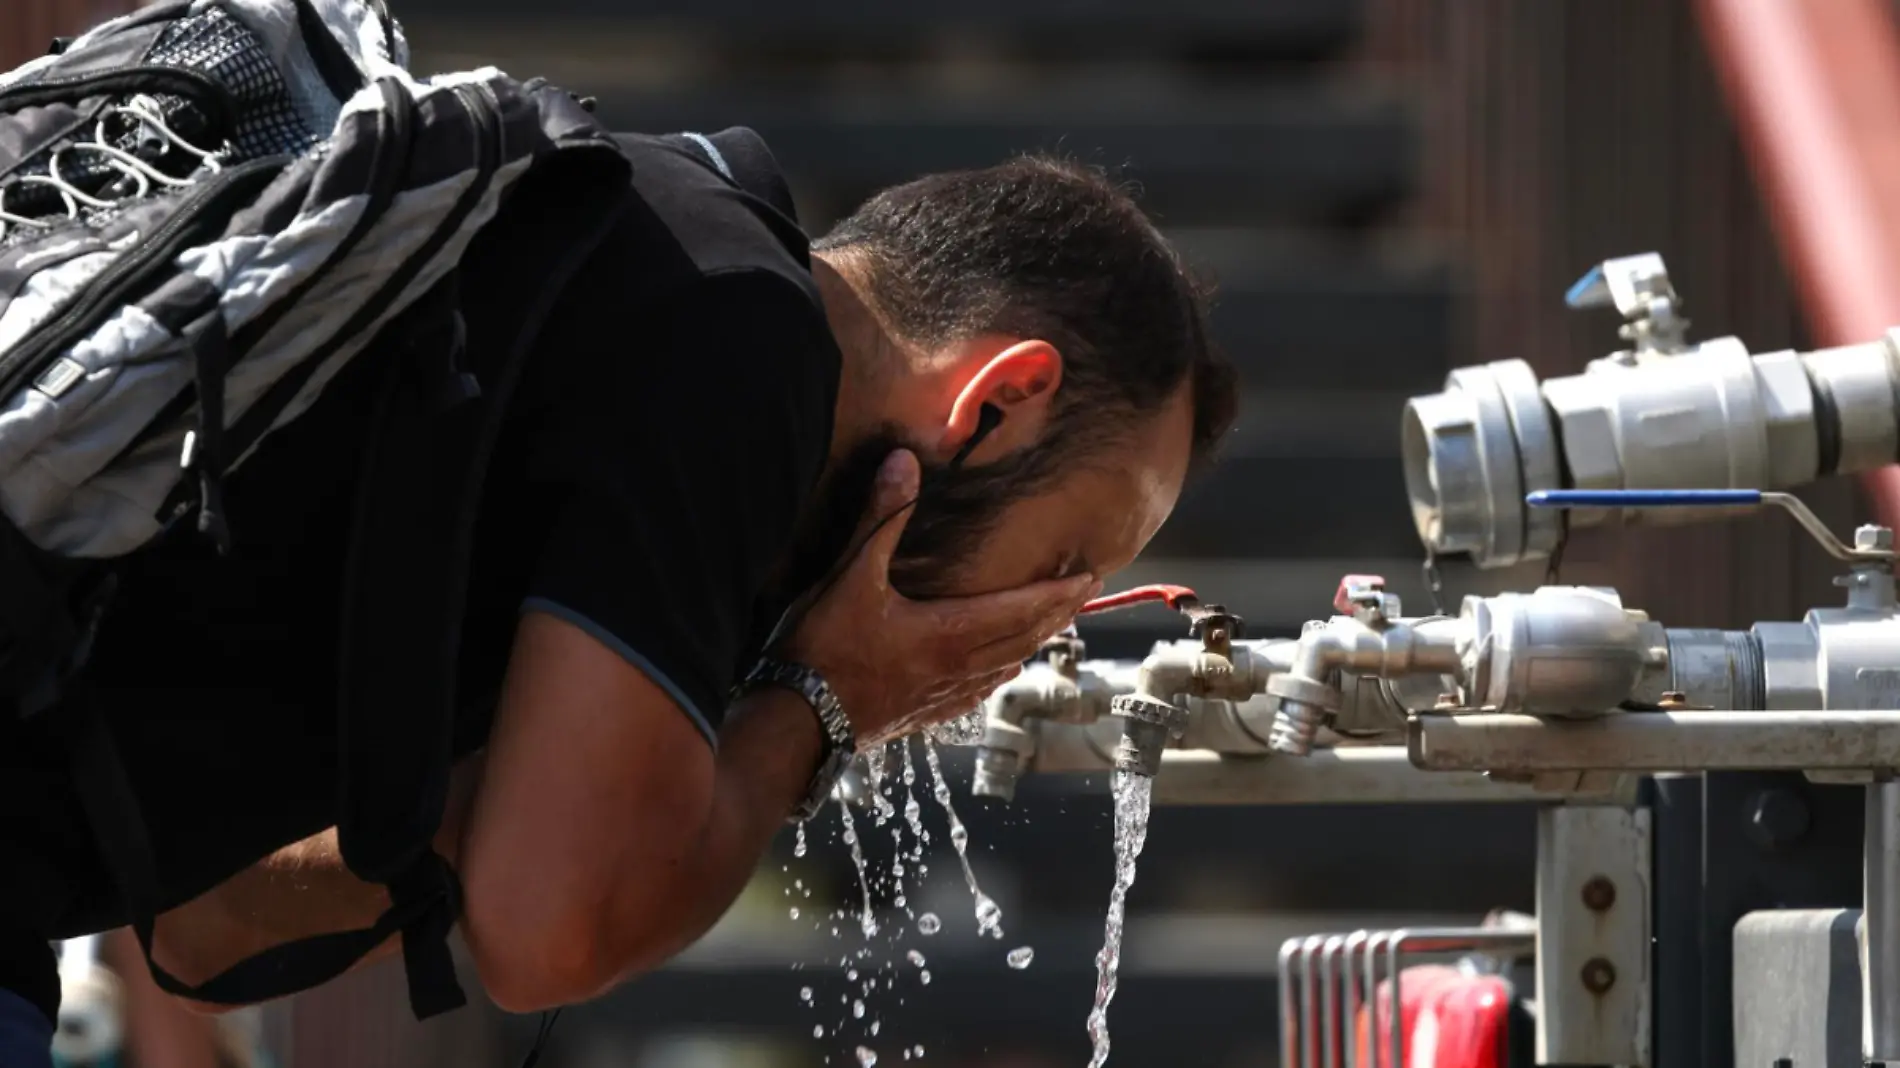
point(1018, 380)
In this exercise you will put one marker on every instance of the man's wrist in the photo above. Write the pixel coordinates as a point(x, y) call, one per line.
point(838, 743)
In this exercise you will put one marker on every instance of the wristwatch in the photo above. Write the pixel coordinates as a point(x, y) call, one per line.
point(841, 743)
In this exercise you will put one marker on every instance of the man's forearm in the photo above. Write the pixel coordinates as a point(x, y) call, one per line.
point(302, 890)
point(768, 751)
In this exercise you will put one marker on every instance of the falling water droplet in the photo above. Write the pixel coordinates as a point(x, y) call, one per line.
point(874, 784)
point(867, 921)
point(989, 916)
point(914, 813)
point(857, 1010)
point(794, 912)
point(804, 993)
point(924, 977)
point(866, 1058)
point(851, 976)
point(818, 1031)
point(798, 847)
point(1021, 957)
point(876, 1026)
point(928, 924)
point(915, 958)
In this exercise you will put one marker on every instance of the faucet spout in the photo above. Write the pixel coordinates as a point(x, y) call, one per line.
point(1157, 712)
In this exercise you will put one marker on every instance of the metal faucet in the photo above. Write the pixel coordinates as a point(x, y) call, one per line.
point(1156, 714)
point(1369, 637)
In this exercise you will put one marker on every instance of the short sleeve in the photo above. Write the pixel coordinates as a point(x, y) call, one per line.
point(690, 465)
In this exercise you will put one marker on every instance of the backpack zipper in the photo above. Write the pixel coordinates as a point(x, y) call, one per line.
point(114, 285)
point(199, 88)
point(483, 111)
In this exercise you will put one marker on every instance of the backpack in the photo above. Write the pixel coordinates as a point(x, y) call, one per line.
point(208, 208)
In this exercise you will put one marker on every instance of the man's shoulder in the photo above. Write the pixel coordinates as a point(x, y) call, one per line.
point(720, 201)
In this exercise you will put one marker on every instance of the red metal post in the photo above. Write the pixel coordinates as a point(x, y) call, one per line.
point(1814, 86)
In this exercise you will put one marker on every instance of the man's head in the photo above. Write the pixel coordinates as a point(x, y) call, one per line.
point(1035, 301)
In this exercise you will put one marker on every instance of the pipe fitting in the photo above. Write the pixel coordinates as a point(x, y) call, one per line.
point(1307, 693)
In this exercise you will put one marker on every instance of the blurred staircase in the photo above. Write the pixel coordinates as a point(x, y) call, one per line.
point(1277, 167)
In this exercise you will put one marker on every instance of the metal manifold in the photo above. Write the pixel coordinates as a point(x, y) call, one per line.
point(1561, 697)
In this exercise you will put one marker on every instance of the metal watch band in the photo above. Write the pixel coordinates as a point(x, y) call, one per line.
point(841, 743)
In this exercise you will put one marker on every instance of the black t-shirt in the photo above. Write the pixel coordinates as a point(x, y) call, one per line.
point(673, 420)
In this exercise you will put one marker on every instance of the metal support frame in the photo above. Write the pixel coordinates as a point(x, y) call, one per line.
point(1880, 927)
point(1593, 936)
point(1727, 844)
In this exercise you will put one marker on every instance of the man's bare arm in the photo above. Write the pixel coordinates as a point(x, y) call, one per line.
point(606, 836)
point(301, 890)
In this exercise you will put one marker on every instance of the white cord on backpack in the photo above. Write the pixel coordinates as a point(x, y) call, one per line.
point(150, 117)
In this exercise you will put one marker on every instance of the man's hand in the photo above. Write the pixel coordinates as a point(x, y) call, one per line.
point(898, 665)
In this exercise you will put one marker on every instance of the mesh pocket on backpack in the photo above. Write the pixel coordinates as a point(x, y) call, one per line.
point(146, 142)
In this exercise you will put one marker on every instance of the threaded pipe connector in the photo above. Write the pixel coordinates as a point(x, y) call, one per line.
point(1304, 706)
point(1295, 727)
point(1147, 726)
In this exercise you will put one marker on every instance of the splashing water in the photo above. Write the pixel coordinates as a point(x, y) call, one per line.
point(989, 916)
point(874, 784)
point(798, 847)
point(1132, 796)
point(966, 729)
point(914, 814)
point(867, 920)
point(897, 870)
point(866, 1058)
point(1021, 957)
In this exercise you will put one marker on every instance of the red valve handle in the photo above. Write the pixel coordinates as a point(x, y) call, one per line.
point(1341, 597)
point(1179, 598)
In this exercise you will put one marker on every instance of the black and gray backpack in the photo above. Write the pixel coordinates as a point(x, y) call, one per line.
point(208, 209)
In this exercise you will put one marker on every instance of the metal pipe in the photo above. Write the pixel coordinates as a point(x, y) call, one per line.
point(1348, 775)
point(1880, 934)
point(1659, 741)
point(1815, 89)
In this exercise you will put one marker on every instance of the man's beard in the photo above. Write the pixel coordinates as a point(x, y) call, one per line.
point(957, 509)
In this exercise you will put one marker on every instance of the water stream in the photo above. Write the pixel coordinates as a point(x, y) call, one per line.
point(989, 916)
point(867, 919)
point(1132, 796)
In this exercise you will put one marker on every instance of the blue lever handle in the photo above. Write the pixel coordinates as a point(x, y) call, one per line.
point(1683, 498)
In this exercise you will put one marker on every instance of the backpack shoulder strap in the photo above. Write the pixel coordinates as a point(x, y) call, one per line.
point(421, 494)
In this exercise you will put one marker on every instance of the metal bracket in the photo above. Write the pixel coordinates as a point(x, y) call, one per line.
point(1658, 741)
point(1593, 934)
